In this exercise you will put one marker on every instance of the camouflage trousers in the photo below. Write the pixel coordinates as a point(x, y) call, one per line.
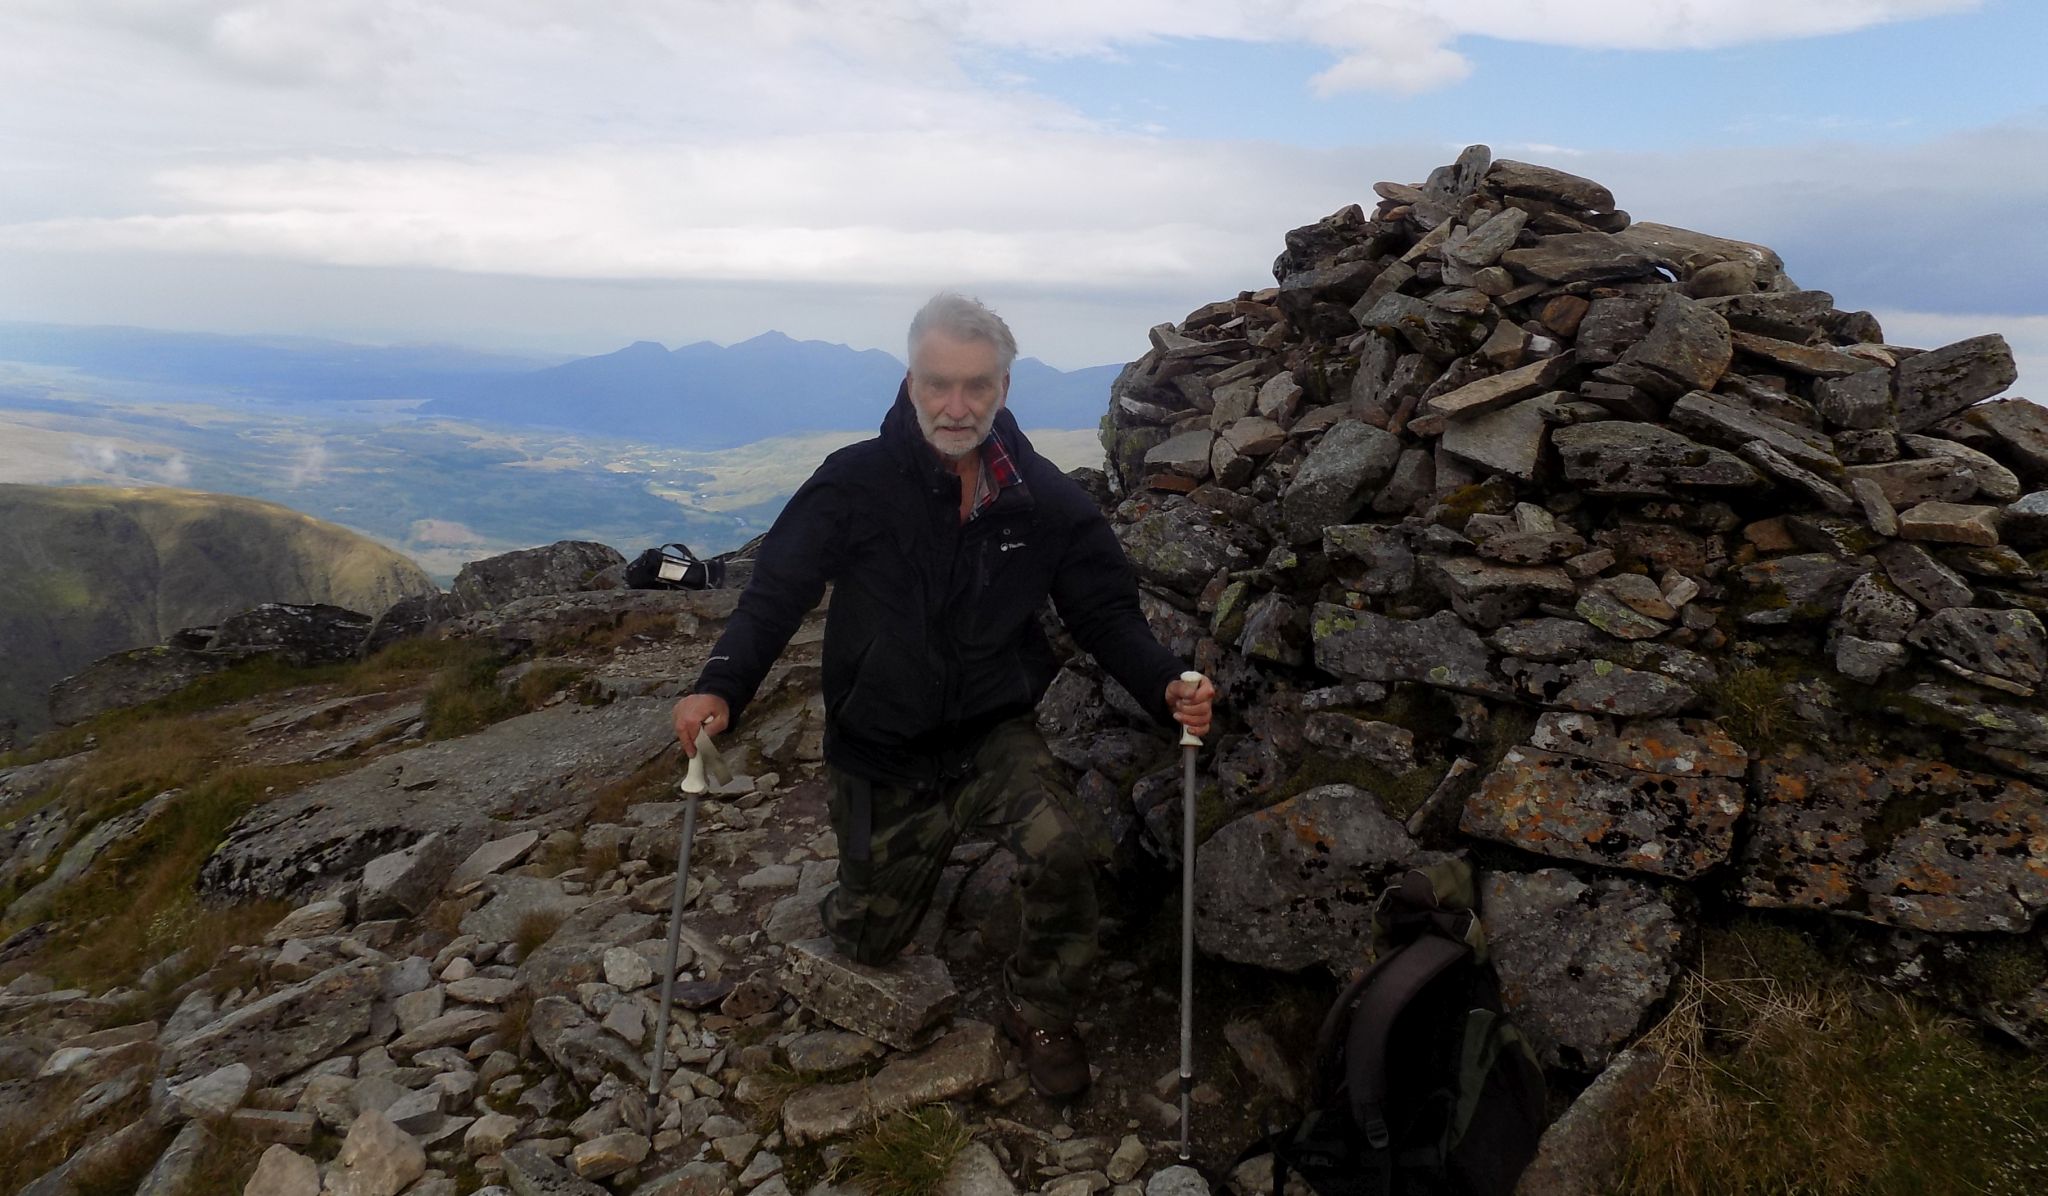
point(894, 842)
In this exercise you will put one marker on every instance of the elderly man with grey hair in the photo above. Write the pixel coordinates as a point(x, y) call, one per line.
point(942, 538)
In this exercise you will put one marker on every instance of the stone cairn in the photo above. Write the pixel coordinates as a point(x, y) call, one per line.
point(1601, 549)
point(1597, 550)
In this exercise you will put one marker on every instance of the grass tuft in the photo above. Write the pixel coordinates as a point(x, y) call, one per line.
point(1751, 704)
point(465, 697)
point(1784, 1074)
point(908, 1154)
point(535, 929)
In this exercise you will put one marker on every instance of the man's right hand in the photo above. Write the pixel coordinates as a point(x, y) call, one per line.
point(700, 711)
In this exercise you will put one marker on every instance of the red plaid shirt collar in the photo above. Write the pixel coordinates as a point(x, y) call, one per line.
point(1001, 471)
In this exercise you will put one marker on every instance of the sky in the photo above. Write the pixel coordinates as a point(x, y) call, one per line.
point(567, 178)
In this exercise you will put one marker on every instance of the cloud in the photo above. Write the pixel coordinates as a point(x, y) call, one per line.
point(309, 468)
point(117, 464)
point(769, 155)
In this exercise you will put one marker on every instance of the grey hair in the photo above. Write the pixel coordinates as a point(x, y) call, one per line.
point(964, 318)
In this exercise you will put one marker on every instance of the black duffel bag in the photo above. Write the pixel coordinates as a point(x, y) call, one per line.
point(673, 567)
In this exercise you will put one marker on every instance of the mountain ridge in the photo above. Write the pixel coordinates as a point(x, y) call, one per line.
point(88, 570)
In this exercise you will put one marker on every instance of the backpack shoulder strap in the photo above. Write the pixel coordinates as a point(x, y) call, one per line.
point(1395, 983)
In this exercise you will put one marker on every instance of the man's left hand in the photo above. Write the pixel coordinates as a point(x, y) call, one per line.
point(1190, 703)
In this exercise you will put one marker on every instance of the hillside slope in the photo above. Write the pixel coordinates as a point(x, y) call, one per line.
point(88, 570)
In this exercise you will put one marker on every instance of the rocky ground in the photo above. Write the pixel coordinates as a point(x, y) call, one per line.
point(1703, 620)
point(475, 1007)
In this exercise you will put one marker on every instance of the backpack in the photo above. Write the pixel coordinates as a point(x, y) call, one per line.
point(1420, 1086)
point(673, 567)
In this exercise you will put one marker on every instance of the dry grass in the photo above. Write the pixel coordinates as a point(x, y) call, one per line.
point(514, 1020)
point(535, 929)
point(225, 1165)
point(30, 1156)
point(908, 1154)
point(1786, 1077)
point(600, 858)
point(770, 1087)
point(103, 941)
point(465, 697)
point(1751, 705)
point(652, 781)
point(610, 633)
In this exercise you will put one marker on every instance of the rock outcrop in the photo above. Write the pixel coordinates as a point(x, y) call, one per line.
point(1605, 551)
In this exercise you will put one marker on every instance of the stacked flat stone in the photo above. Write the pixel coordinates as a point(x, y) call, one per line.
point(1497, 448)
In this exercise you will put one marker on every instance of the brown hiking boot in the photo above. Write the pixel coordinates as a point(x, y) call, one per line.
point(1054, 1059)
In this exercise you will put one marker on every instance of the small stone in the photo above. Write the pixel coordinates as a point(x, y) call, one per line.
point(213, 1095)
point(1178, 1180)
point(964, 1061)
point(457, 1028)
point(626, 969)
point(1129, 1159)
point(1264, 1058)
point(484, 990)
point(627, 1020)
point(308, 921)
point(459, 968)
point(273, 1125)
point(489, 1134)
point(377, 1159)
point(414, 1010)
point(1950, 523)
point(283, 1171)
point(492, 857)
point(826, 1051)
point(977, 1172)
point(1384, 744)
point(606, 1156)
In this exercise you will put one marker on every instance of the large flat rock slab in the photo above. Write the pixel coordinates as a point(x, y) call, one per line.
point(530, 771)
point(897, 1004)
point(284, 1032)
point(1573, 808)
point(1909, 843)
point(964, 1061)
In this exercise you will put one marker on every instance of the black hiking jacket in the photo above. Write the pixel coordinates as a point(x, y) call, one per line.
point(933, 634)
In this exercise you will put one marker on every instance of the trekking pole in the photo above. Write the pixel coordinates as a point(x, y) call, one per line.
point(693, 787)
point(1190, 743)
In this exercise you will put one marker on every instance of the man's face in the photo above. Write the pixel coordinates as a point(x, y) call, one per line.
point(957, 390)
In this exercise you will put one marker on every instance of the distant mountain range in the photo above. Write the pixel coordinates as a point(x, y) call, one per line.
point(701, 395)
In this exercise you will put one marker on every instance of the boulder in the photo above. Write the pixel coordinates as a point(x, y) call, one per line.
point(558, 568)
point(1339, 475)
point(303, 634)
point(283, 1032)
point(1581, 963)
point(527, 768)
point(1293, 885)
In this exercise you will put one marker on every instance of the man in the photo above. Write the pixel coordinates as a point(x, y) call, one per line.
point(942, 538)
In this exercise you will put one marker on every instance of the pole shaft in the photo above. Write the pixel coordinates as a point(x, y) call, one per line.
point(668, 966)
point(1187, 944)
